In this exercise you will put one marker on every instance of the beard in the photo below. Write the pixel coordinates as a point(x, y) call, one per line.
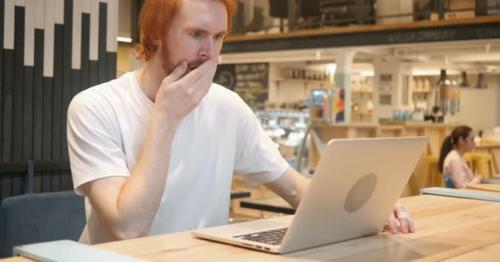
point(168, 65)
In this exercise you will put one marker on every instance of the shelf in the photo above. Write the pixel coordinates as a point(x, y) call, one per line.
point(298, 80)
point(362, 113)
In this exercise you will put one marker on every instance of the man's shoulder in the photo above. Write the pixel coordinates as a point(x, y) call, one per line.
point(221, 90)
point(108, 88)
point(100, 96)
point(223, 95)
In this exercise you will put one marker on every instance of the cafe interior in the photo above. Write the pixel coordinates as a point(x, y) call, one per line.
point(312, 72)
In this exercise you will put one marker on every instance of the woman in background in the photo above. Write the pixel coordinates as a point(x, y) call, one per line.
point(455, 171)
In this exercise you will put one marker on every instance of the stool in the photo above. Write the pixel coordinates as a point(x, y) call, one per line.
point(432, 176)
point(482, 164)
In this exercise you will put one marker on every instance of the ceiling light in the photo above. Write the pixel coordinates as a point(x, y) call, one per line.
point(124, 39)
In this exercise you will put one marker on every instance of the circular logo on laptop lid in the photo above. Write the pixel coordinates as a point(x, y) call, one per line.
point(360, 192)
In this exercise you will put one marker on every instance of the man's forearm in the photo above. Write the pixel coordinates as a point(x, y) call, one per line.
point(291, 186)
point(301, 185)
point(141, 194)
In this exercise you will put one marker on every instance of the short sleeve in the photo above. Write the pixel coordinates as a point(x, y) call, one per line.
point(258, 157)
point(93, 141)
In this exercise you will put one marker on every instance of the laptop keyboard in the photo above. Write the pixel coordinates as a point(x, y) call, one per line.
point(271, 237)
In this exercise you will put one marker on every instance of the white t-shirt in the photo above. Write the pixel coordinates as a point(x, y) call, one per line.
point(221, 136)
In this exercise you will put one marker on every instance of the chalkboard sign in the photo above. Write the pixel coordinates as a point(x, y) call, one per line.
point(225, 76)
point(248, 80)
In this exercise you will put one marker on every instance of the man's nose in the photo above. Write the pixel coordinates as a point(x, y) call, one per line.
point(208, 50)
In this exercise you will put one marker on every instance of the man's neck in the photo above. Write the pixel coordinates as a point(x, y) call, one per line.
point(150, 76)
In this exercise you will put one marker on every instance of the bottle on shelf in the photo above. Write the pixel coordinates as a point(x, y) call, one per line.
point(443, 88)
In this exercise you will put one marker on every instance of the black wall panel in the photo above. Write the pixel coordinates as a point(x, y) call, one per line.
point(1, 77)
point(17, 142)
point(33, 106)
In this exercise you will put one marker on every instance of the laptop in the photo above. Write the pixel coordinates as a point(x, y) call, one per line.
point(68, 250)
point(351, 194)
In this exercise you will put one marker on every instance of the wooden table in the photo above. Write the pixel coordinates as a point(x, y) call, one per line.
point(452, 229)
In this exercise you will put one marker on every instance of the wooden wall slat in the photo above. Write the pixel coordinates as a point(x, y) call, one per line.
point(8, 84)
point(134, 17)
point(58, 90)
point(57, 139)
point(47, 122)
point(24, 129)
point(94, 43)
point(101, 64)
point(84, 57)
point(47, 94)
point(47, 177)
point(67, 72)
point(111, 65)
point(29, 76)
point(17, 124)
point(66, 176)
point(93, 77)
point(8, 92)
point(2, 8)
point(38, 98)
point(75, 82)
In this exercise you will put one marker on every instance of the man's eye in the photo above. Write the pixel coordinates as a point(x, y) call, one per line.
point(196, 34)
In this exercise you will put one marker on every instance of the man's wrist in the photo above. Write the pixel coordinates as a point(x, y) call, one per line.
point(161, 127)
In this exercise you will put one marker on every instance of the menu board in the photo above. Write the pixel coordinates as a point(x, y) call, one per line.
point(248, 80)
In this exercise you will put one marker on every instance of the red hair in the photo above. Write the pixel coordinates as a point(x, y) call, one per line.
point(156, 17)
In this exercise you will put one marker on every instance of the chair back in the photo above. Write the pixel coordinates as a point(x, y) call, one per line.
point(38, 217)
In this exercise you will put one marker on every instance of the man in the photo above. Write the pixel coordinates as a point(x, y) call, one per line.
point(154, 151)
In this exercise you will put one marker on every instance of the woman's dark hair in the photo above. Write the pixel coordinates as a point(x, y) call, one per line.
point(452, 140)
